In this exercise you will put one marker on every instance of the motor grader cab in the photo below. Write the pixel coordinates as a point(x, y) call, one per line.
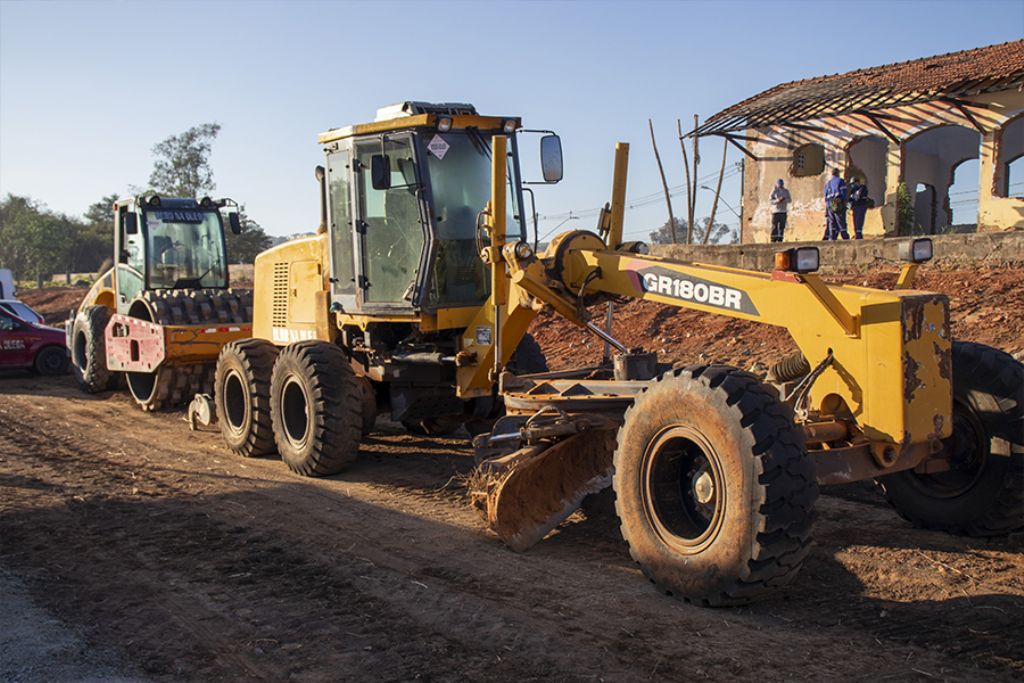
point(715, 470)
point(159, 316)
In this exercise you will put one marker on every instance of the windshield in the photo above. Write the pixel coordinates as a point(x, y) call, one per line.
point(459, 166)
point(20, 310)
point(185, 249)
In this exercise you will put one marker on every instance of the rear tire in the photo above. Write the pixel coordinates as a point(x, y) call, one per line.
point(983, 492)
point(242, 396)
point(316, 407)
point(51, 360)
point(714, 491)
point(89, 349)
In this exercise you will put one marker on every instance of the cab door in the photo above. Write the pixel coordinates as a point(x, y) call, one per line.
point(130, 273)
point(340, 218)
point(16, 339)
point(390, 230)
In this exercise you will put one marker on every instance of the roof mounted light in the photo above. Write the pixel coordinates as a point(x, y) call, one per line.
point(206, 202)
point(509, 126)
point(916, 251)
point(444, 124)
point(798, 260)
point(154, 200)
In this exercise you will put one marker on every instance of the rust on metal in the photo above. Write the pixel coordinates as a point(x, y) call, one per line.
point(528, 493)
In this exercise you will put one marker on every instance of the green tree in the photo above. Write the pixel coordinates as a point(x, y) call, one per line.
point(244, 247)
point(721, 234)
point(182, 165)
point(663, 235)
point(96, 237)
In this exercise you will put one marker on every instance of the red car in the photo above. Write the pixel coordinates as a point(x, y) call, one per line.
point(31, 346)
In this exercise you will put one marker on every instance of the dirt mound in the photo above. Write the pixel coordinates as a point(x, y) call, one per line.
point(987, 306)
point(53, 303)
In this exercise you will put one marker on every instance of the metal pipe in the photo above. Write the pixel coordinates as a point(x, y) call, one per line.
point(607, 337)
point(821, 432)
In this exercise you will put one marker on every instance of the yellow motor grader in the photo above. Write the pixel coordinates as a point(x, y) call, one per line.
point(160, 316)
point(416, 295)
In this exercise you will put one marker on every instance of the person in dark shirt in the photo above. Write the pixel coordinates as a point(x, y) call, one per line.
point(858, 205)
point(780, 199)
point(835, 207)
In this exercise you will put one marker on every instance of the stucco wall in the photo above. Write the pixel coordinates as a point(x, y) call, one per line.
point(995, 248)
point(925, 161)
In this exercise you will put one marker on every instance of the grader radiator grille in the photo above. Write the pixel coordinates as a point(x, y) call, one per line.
point(279, 310)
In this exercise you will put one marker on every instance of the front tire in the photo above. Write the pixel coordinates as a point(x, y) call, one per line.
point(89, 349)
point(242, 396)
point(316, 407)
point(982, 492)
point(714, 490)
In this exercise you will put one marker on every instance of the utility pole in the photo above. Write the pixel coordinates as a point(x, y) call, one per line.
point(664, 183)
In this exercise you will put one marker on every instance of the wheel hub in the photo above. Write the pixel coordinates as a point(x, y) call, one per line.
point(704, 488)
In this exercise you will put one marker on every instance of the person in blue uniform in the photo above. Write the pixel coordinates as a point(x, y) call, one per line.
point(858, 206)
point(835, 207)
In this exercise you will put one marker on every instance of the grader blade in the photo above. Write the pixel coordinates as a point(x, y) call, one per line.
point(528, 493)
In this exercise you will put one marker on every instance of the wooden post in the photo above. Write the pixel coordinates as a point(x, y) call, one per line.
point(696, 163)
point(686, 167)
point(718, 191)
point(664, 184)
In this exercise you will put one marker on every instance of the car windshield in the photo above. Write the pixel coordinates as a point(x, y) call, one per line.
point(23, 311)
point(459, 166)
point(185, 249)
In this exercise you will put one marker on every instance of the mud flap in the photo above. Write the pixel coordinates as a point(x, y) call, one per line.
point(528, 493)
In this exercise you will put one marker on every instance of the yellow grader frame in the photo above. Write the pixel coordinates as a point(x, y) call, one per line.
point(715, 470)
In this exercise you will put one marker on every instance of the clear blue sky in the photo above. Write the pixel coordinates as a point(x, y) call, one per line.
point(87, 88)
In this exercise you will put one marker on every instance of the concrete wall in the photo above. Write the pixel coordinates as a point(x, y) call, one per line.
point(994, 248)
point(917, 155)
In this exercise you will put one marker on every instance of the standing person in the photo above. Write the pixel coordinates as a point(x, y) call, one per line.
point(780, 205)
point(858, 205)
point(835, 207)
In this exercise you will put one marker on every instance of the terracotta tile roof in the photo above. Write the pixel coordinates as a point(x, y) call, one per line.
point(952, 75)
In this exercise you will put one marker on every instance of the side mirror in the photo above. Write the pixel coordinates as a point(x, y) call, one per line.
point(131, 225)
point(235, 222)
point(551, 158)
point(380, 172)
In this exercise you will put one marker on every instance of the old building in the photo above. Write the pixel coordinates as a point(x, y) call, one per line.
point(907, 128)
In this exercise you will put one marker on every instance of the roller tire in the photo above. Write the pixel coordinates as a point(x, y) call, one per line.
point(316, 407)
point(89, 349)
point(988, 443)
point(242, 396)
point(760, 530)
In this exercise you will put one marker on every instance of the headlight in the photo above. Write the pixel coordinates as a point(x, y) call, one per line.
point(798, 260)
point(641, 248)
point(523, 251)
point(444, 124)
point(509, 126)
point(916, 251)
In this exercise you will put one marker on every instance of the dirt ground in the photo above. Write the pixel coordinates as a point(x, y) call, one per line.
point(154, 554)
point(154, 544)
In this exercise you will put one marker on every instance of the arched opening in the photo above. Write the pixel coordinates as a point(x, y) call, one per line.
point(924, 209)
point(963, 196)
point(930, 160)
point(866, 160)
point(1010, 158)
